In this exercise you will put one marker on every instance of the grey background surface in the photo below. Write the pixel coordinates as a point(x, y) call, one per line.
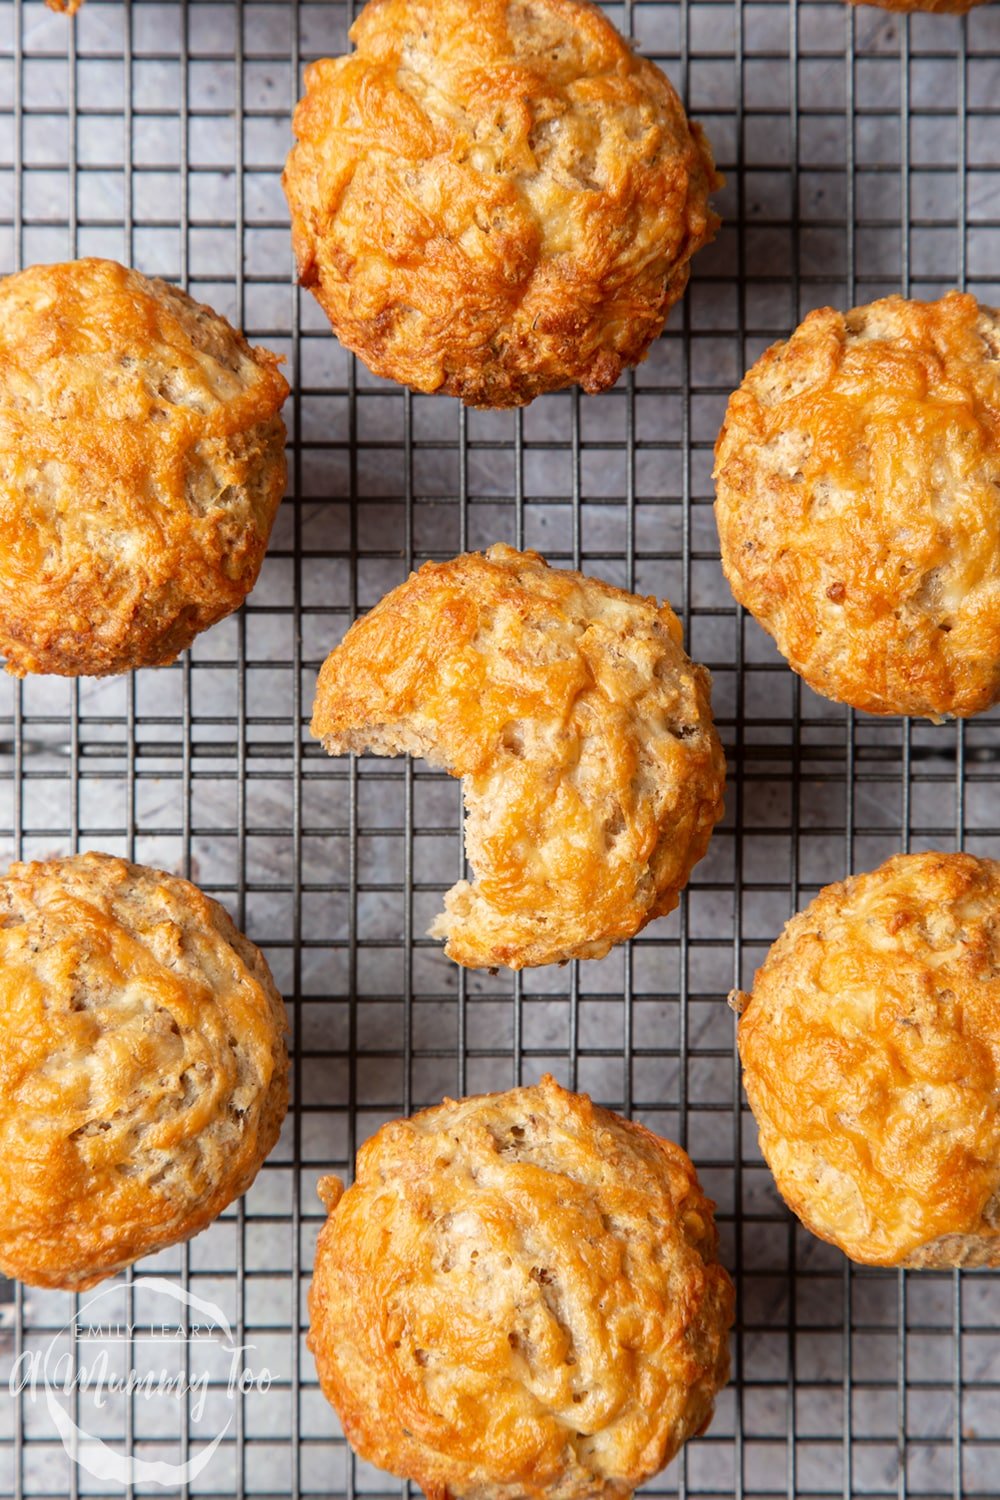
point(862, 153)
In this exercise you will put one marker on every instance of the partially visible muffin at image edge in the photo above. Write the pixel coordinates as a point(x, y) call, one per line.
point(143, 1066)
point(519, 1298)
point(871, 1059)
point(141, 467)
point(495, 200)
point(858, 503)
point(937, 7)
point(592, 772)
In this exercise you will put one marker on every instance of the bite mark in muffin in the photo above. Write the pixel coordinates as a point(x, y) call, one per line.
point(592, 772)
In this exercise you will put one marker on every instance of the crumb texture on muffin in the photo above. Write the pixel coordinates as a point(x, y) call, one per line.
point(143, 1069)
point(520, 1297)
point(871, 1059)
point(593, 776)
point(141, 466)
point(495, 200)
point(858, 504)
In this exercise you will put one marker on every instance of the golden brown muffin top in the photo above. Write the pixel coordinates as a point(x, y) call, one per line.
point(495, 200)
point(938, 7)
point(143, 1072)
point(593, 773)
point(141, 465)
point(520, 1296)
point(858, 504)
point(871, 1059)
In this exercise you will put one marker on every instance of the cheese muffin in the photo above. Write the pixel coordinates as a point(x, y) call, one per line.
point(858, 503)
point(142, 461)
point(871, 1059)
point(520, 1299)
point(143, 1066)
point(938, 7)
point(495, 200)
point(593, 775)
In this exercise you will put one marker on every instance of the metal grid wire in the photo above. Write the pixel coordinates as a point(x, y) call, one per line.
point(862, 153)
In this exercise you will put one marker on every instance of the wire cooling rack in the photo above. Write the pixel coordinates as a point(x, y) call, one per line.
point(862, 153)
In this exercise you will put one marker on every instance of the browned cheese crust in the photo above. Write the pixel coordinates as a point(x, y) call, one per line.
point(859, 508)
point(871, 1059)
point(938, 7)
point(520, 1299)
point(497, 199)
point(141, 466)
point(143, 1070)
point(593, 772)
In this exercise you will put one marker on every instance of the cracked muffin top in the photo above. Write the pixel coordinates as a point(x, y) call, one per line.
point(858, 503)
point(871, 1059)
point(141, 466)
point(495, 200)
point(520, 1298)
point(143, 1070)
point(592, 772)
